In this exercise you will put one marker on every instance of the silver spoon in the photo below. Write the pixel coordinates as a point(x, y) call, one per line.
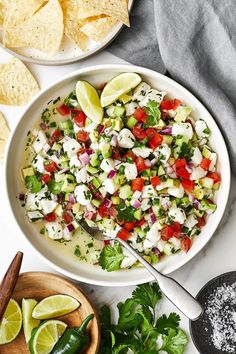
point(179, 296)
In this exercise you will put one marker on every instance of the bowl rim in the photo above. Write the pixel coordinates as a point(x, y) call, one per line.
point(142, 71)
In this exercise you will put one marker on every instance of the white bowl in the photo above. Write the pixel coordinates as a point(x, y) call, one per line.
point(85, 272)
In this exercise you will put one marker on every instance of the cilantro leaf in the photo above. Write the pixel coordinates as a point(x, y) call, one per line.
point(111, 257)
point(33, 184)
point(153, 112)
point(125, 213)
point(185, 150)
point(164, 323)
point(147, 294)
point(175, 342)
point(129, 319)
point(55, 187)
point(105, 317)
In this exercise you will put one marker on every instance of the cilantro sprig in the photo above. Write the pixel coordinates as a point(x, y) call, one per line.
point(153, 113)
point(138, 331)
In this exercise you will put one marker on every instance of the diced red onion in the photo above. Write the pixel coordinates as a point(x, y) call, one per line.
point(84, 158)
point(69, 206)
point(22, 196)
point(196, 203)
point(89, 151)
point(70, 228)
point(166, 131)
point(153, 162)
point(114, 141)
point(147, 163)
point(72, 198)
point(101, 128)
point(139, 125)
point(188, 168)
point(111, 174)
point(43, 126)
point(107, 203)
point(89, 215)
point(153, 218)
point(136, 204)
point(156, 251)
point(107, 242)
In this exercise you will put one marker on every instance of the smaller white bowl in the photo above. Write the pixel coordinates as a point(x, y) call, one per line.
point(83, 271)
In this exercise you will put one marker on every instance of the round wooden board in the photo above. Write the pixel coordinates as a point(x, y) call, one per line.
point(39, 285)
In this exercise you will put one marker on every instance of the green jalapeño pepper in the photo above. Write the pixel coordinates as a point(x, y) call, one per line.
point(74, 340)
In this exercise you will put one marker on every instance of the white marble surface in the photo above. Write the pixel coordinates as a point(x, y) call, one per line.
point(216, 258)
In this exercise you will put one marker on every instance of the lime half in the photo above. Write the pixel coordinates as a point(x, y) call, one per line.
point(11, 322)
point(29, 323)
point(46, 336)
point(89, 101)
point(55, 306)
point(119, 85)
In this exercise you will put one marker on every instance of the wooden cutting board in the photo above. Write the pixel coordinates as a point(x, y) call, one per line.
point(39, 285)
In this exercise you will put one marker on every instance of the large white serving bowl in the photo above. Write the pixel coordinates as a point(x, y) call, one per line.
point(82, 271)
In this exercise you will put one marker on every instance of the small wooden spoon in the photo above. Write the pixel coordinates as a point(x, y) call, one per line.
point(9, 282)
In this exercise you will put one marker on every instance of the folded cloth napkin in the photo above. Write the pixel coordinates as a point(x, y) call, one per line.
point(195, 42)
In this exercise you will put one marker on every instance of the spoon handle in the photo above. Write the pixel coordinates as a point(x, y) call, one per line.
point(179, 296)
point(9, 282)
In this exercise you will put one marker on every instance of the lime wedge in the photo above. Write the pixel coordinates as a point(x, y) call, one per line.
point(11, 322)
point(45, 336)
point(29, 323)
point(119, 85)
point(89, 101)
point(55, 306)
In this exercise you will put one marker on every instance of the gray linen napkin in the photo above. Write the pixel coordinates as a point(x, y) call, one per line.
point(195, 41)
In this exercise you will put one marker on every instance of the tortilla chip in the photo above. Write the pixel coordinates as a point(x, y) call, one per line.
point(4, 6)
point(88, 12)
point(97, 30)
point(17, 85)
point(43, 31)
point(4, 133)
point(114, 8)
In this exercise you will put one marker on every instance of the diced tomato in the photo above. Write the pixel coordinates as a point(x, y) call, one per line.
point(116, 153)
point(186, 244)
point(67, 217)
point(205, 163)
point(123, 234)
point(107, 242)
point(46, 178)
point(188, 185)
point(63, 109)
point(155, 141)
point(155, 181)
point(167, 233)
point(150, 132)
point(214, 176)
point(140, 115)
point(56, 136)
point(82, 136)
point(166, 105)
point(201, 222)
point(183, 173)
point(180, 163)
point(103, 211)
point(176, 228)
point(130, 155)
point(140, 164)
point(79, 118)
point(50, 166)
point(50, 217)
point(137, 184)
point(129, 226)
point(139, 133)
point(140, 222)
point(176, 104)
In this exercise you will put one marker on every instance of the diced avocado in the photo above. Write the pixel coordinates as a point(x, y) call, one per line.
point(106, 150)
point(207, 182)
point(125, 191)
point(115, 200)
point(182, 114)
point(169, 182)
point(56, 147)
point(180, 140)
point(68, 184)
point(154, 258)
point(28, 171)
point(125, 98)
point(110, 111)
point(92, 169)
point(167, 139)
point(96, 202)
point(171, 161)
point(153, 173)
point(147, 258)
point(76, 208)
point(146, 173)
point(161, 171)
point(107, 122)
point(138, 214)
point(206, 152)
point(198, 213)
point(131, 122)
point(216, 186)
point(119, 111)
point(199, 193)
point(140, 232)
point(94, 161)
point(96, 182)
point(93, 136)
point(120, 179)
point(117, 124)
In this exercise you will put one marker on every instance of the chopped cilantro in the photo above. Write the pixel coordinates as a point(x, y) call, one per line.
point(33, 184)
point(111, 257)
point(125, 213)
point(153, 113)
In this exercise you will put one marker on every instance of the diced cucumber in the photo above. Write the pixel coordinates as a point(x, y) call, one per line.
point(184, 201)
point(68, 183)
point(94, 161)
point(115, 200)
point(96, 202)
point(206, 205)
point(207, 182)
point(153, 173)
point(92, 169)
point(199, 193)
point(138, 214)
point(167, 139)
point(64, 164)
point(198, 213)
point(56, 147)
point(182, 114)
point(125, 191)
point(96, 182)
point(140, 232)
point(161, 171)
point(120, 179)
point(117, 124)
point(119, 111)
point(180, 140)
point(206, 152)
point(106, 150)
point(146, 173)
point(67, 126)
point(28, 171)
point(93, 136)
point(154, 258)
point(169, 182)
point(125, 98)
point(131, 122)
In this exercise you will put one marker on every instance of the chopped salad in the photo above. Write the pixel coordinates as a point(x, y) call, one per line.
point(143, 172)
